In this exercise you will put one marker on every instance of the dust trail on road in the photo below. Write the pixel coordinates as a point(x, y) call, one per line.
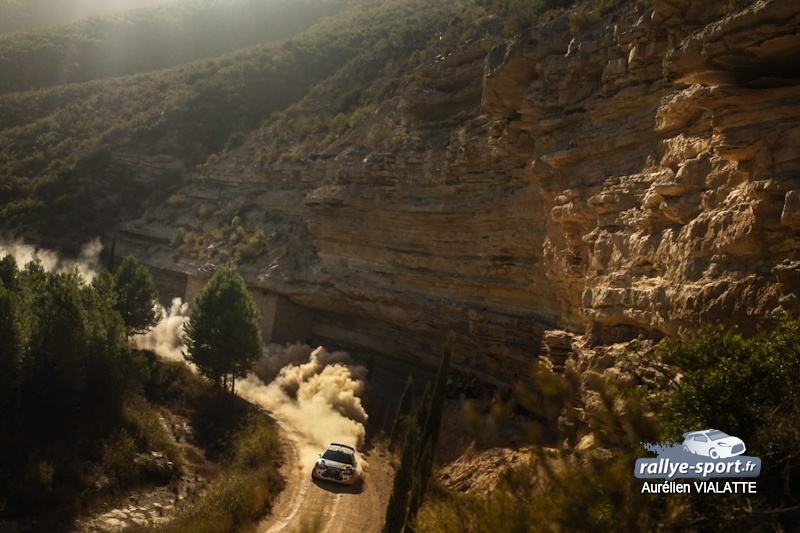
point(315, 397)
point(314, 393)
point(318, 400)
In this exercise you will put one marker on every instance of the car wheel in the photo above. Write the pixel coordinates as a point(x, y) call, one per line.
point(714, 454)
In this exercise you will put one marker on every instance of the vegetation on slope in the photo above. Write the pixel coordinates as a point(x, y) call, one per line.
point(242, 439)
point(81, 408)
point(68, 377)
point(23, 15)
point(80, 152)
point(746, 386)
point(148, 39)
point(353, 95)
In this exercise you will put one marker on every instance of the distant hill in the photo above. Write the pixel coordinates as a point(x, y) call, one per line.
point(24, 15)
point(147, 39)
point(84, 157)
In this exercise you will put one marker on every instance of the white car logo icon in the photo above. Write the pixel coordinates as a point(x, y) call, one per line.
point(712, 443)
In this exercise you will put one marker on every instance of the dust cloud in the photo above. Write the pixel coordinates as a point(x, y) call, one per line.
point(165, 338)
point(87, 264)
point(318, 400)
point(313, 393)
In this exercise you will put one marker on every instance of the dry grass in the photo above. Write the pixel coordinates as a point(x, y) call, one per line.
point(245, 492)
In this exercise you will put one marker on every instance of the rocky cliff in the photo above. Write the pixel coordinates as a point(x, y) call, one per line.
point(617, 174)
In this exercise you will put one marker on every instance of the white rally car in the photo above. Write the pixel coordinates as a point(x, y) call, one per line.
point(337, 464)
point(712, 443)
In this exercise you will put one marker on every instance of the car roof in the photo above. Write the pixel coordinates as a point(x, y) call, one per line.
point(701, 432)
point(341, 448)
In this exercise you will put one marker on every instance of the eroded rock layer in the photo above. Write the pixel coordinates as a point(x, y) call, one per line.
point(637, 178)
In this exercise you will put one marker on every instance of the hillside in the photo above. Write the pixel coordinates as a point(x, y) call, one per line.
point(24, 15)
point(94, 151)
point(600, 199)
point(147, 39)
point(571, 179)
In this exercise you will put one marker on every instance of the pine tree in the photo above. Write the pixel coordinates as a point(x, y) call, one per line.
point(403, 411)
point(137, 297)
point(10, 354)
point(59, 349)
point(8, 272)
point(223, 334)
point(397, 509)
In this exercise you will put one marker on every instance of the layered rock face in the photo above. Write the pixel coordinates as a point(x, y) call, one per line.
point(639, 178)
point(668, 160)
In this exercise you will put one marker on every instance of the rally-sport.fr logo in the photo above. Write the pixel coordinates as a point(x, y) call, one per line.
point(703, 455)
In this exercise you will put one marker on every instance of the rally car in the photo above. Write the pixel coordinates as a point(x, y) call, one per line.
point(337, 464)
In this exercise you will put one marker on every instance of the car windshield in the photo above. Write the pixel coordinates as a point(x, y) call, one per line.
point(716, 435)
point(339, 457)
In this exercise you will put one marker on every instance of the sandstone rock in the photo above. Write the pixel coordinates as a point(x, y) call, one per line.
point(790, 215)
point(112, 524)
point(762, 46)
point(480, 471)
point(632, 182)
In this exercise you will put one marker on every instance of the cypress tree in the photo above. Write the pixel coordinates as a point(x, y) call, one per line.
point(421, 476)
point(430, 433)
point(424, 407)
point(397, 509)
point(403, 411)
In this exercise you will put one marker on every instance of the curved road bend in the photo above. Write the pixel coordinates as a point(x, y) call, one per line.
point(321, 507)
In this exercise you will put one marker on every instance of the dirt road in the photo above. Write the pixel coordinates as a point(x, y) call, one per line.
point(306, 505)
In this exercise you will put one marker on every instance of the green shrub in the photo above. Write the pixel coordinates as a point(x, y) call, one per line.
point(235, 140)
point(143, 421)
point(747, 387)
point(544, 493)
point(256, 444)
point(119, 459)
point(721, 379)
point(580, 19)
point(246, 491)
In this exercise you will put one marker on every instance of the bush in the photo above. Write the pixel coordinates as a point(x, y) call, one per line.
point(246, 491)
point(235, 140)
point(143, 421)
point(580, 19)
point(119, 459)
point(255, 445)
point(744, 386)
point(747, 387)
point(557, 480)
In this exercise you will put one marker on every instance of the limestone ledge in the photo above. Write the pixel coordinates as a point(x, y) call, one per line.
point(634, 180)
